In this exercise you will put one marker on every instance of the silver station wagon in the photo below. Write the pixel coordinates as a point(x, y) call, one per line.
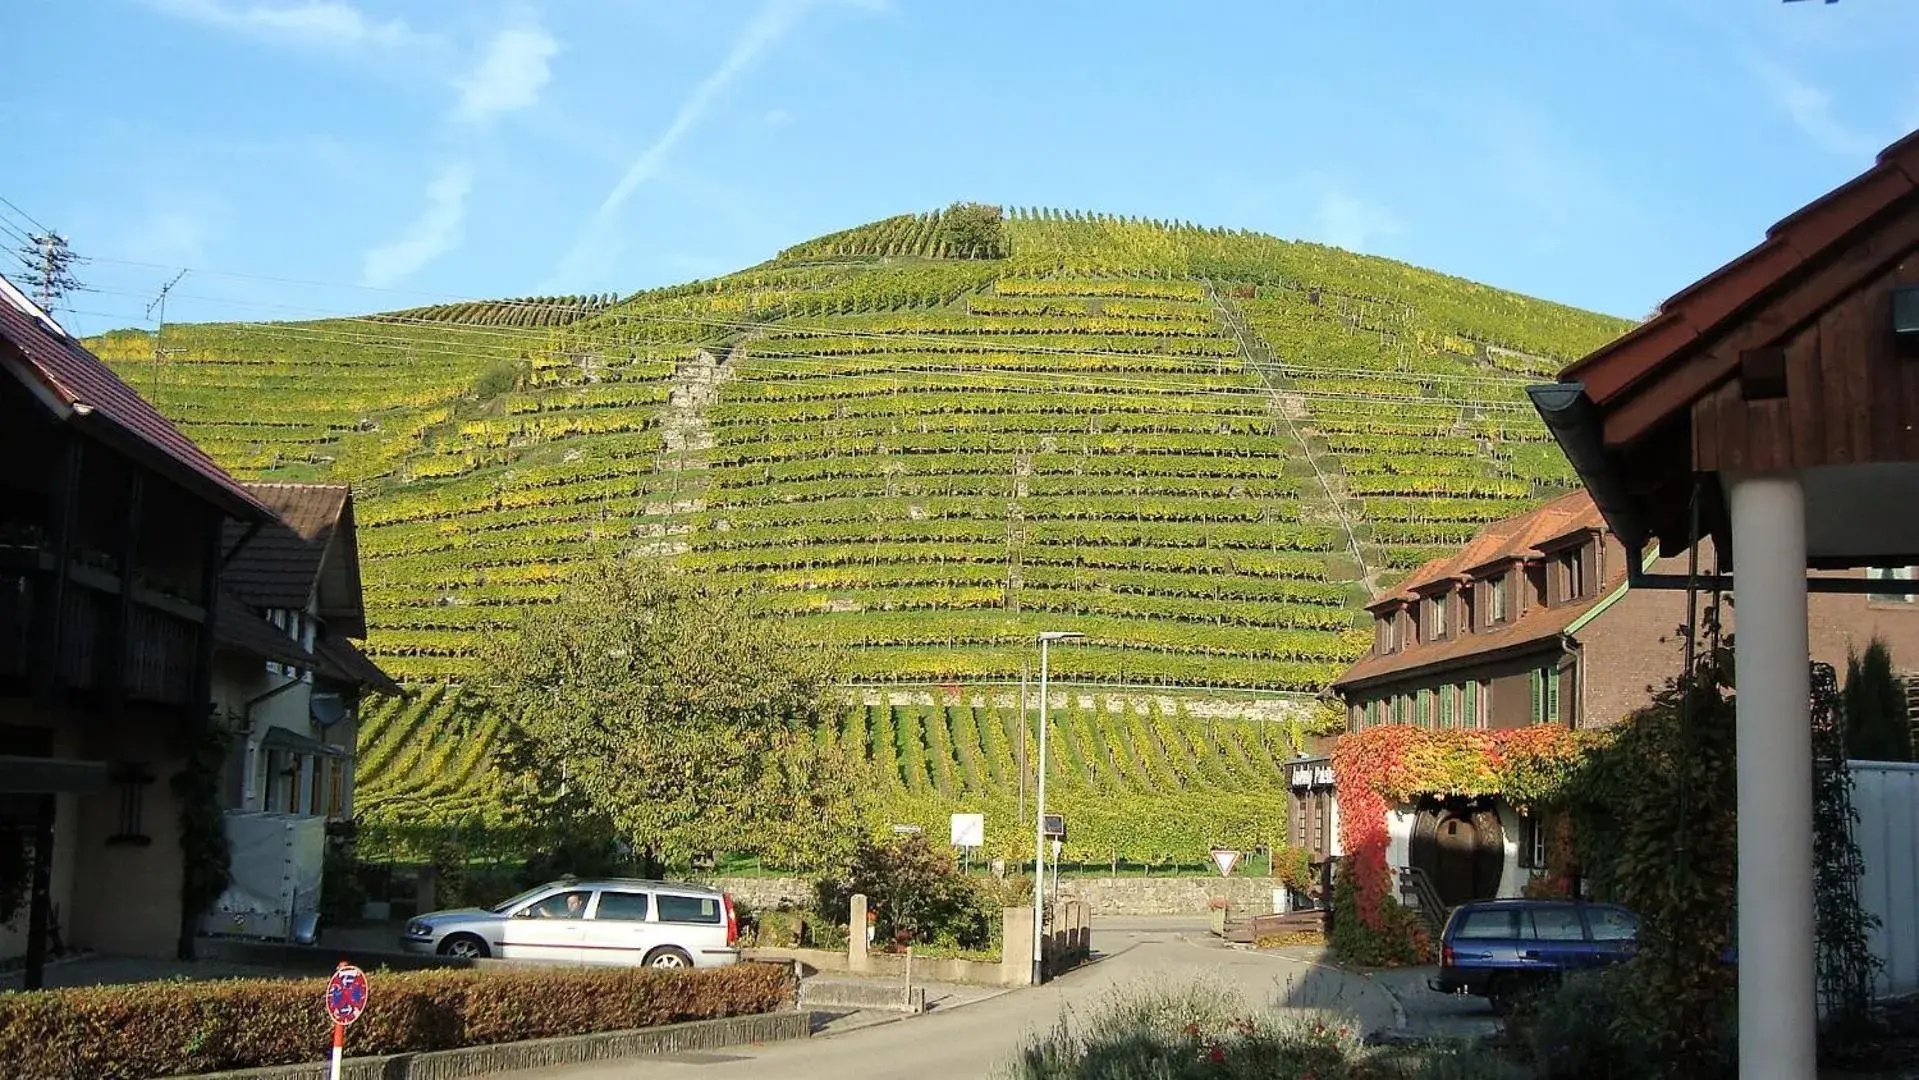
point(608, 921)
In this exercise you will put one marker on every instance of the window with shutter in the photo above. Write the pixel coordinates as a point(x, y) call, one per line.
point(1539, 695)
point(1446, 706)
point(1552, 694)
point(1425, 714)
point(1473, 719)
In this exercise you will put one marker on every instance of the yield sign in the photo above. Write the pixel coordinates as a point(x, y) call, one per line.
point(1225, 860)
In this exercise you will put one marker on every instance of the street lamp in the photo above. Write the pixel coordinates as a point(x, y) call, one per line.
point(1046, 638)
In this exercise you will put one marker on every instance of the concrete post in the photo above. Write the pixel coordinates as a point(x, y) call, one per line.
point(1777, 972)
point(856, 935)
point(1016, 947)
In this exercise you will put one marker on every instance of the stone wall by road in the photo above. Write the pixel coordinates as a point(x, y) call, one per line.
point(1169, 895)
point(1105, 896)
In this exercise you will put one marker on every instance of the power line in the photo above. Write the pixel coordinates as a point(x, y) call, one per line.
point(31, 220)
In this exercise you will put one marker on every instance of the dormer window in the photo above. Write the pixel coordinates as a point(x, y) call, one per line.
point(1497, 605)
point(1436, 616)
point(1571, 570)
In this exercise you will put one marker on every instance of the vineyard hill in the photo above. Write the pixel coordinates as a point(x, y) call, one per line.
point(923, 439)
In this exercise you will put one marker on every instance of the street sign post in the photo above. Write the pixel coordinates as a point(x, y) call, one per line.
point(345, 1001)
point(1225, 860)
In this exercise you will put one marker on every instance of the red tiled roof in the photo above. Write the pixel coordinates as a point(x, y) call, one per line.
point(76, 384)
point(1692, 317)
point(1538, 624)
point(281, 566)
point(340, 660)
point(237, 628)
point(1512, 538)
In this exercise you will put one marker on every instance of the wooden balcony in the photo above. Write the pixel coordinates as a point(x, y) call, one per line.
point(145, 645)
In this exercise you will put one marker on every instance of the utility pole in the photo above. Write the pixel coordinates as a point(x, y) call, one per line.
point(159, 328)
point(1022, 743)
point(49, 268)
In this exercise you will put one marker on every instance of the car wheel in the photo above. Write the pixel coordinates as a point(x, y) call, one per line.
point(668, 958)
point(464, 947)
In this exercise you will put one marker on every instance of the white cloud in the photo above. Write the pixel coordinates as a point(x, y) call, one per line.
point(434, 233)
point(1810, 110)
point(324, 23)
point(516, 66)
point(1345, 221)
point(592, 253)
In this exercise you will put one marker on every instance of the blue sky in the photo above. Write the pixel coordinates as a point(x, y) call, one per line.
point(322, 156)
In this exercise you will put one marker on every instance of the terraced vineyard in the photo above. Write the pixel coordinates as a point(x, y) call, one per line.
point(1139, 783)
point(1201, 447)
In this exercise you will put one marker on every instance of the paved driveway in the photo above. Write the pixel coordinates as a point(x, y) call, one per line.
point(975, 1040)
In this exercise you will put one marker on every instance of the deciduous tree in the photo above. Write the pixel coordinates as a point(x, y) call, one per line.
point(677, 711)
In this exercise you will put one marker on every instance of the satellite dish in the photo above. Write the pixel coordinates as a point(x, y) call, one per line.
point(327, 710)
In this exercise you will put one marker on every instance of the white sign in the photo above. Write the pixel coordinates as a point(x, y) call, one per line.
point(1225, 860)
point(905, 830)
point(1310, 776)
point(969, 830)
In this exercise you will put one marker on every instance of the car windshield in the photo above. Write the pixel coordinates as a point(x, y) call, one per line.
point(508, 904)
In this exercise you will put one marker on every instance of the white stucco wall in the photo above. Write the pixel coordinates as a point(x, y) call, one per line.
point(1399, 834)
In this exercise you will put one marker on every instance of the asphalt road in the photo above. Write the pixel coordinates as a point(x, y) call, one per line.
point(977, 1039)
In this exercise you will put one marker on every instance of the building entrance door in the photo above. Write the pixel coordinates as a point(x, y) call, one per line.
point(1454, 846)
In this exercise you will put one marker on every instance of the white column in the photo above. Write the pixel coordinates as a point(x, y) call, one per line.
point(1776, 965)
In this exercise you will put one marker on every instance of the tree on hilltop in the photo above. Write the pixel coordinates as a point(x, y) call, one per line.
point(674, 712)
point(972, 229)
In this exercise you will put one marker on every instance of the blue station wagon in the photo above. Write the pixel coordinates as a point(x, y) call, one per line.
point(1499, 949)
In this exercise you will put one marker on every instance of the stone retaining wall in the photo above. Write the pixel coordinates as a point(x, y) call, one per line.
point(546, 1053)
point(1169, 895)
point(1104, 896)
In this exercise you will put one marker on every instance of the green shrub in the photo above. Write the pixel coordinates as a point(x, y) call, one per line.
point(1461, 1061)
point(1601, 1026)
point(1196, 1030)
point(171, 1028)
point(916, 894)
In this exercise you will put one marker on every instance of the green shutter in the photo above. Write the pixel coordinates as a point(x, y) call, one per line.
point(1471, 719)
point(1539, 695)
point(1552, 694)
point(1446, 706)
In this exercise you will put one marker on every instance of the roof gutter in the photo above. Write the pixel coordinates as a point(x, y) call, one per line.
point(1438, 667)
point(1574, 421)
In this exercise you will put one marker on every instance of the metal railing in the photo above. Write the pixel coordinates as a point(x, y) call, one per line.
point(1418, 887)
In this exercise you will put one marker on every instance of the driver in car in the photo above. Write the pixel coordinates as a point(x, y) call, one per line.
point(575, 907)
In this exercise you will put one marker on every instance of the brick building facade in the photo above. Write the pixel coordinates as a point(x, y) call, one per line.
point(1532, 622)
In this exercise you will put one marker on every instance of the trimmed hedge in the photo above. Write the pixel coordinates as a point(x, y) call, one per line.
point(145, 1030)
